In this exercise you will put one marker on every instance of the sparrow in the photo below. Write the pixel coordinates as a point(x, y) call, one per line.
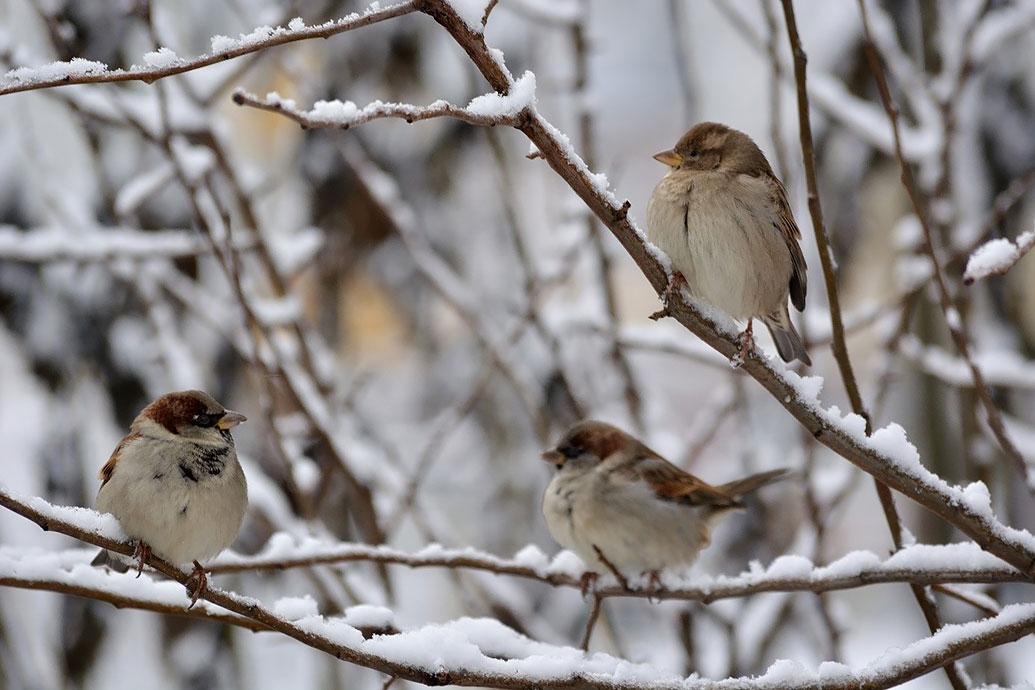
point(175, 485)
point(619, 505)
point(722, 216)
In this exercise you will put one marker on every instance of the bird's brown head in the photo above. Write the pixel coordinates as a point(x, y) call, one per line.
point(713, 146)
point(587, 443)
point(191, 414)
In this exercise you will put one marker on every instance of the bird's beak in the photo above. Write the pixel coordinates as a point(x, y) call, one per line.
point(230, 419)
point(553, 457)
point(669, 158)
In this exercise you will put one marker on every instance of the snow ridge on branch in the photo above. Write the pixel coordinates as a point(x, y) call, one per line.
point(467, 651)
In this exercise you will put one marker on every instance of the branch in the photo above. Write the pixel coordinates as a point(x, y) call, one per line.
point(164, 63)
point(896, 464)
point(342, 115)
point(464, 652)
point(53, 244)
point(952, 315)
point(996, 257)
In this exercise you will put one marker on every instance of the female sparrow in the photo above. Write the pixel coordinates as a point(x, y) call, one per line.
point(722, 216)
point(618, 504)
point(175, 484)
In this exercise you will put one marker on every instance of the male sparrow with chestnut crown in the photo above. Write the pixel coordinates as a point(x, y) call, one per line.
point(618, 504)
point(722, 216)
point(175, 483)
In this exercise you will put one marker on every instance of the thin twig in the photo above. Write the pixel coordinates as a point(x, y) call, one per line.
point(953, 318)
point(97, 73)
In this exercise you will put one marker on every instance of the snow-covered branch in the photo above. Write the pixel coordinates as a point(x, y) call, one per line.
point(488, 110)
point(996, 257)
point(164, 62)
point(470, 652)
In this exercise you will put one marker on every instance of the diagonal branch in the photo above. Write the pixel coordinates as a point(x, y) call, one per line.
point(79, 71)
point(894, 464)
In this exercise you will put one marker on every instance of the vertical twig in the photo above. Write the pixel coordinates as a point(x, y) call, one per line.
point(596, 232)
point(922, 596)
point(594, 613)
point(953, 319)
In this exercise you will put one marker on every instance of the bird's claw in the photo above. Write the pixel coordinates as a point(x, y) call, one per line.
point(676, 283)
point(142, 553)
point(747, 343)
point(201, 579)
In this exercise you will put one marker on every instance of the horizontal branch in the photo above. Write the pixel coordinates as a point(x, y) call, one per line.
point(488, 110)
point(99, 584)
point(164, 63)
point(919, 564)
point(53, 244)
point(465, 652)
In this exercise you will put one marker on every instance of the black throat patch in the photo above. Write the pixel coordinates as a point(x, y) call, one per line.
point(205, 460)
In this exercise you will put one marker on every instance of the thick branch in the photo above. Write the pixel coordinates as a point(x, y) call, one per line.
point(397, 655)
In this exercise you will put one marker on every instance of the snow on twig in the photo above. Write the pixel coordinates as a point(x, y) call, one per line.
point(996, 257)
point(164, 62)
point(474, 652)
point(489, 110)
point(886, 454)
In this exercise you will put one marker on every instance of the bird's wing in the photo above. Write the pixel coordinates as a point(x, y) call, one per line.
point(109, 467)
point(669, 482)
point(791, 236)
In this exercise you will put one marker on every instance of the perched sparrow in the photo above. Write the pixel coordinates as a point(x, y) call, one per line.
point(174, 482)
point(722, 216)
point(618, 504)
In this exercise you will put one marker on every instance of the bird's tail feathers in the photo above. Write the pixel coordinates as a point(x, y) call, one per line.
point(788, 342)
point(110, 560)
point(739, 487)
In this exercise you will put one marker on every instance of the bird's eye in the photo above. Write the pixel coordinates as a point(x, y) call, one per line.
point(570, 450)
point(204, 420)
point(695, 153)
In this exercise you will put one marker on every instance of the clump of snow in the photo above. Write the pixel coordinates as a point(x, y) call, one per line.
point(76, 67)
point(567, 563)
point(334, 110)
point(995, 257)
point(223, 44)
point(532, 557)
point(296, 24)
point(163, 57)
point(295, 608)
point(471, 12)
point(369, 616)
point(892, 443)
point(521, 96)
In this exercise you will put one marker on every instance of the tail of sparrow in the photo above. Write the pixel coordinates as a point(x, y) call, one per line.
point(107, 559)
point(739, 487)
point(788, 342)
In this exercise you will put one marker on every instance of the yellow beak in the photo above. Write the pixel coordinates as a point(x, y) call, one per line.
point(669, 158)
point(230, 419)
